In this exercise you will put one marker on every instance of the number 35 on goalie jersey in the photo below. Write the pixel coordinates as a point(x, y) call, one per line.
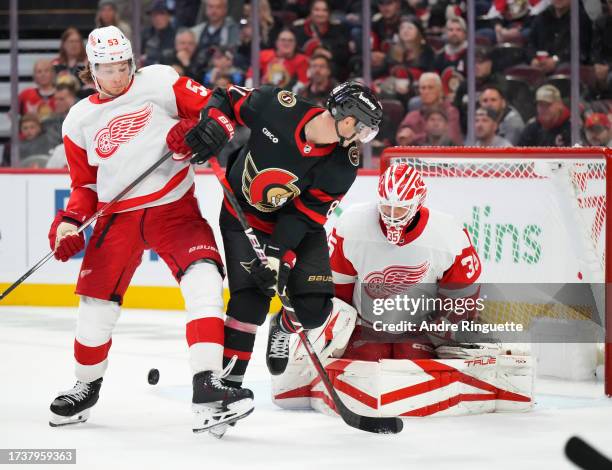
point(436, 250)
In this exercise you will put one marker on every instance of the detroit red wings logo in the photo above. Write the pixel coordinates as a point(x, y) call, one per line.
point(121, 130)
point(394, 280)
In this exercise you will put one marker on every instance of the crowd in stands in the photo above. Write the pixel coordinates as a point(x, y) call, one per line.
point(418, 64)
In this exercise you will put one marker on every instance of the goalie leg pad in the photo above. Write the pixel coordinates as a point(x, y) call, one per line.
point(202, 289)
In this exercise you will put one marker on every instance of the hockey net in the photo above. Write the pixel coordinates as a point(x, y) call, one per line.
point(534, 216)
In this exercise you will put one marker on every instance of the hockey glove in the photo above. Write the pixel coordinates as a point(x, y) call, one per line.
point(63, 237)
point(275, 275)
point(210, 135)
point(176, 139)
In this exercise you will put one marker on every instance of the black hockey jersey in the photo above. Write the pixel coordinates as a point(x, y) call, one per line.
point(286, 185)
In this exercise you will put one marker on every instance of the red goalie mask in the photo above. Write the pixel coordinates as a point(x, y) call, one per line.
point(401, 193)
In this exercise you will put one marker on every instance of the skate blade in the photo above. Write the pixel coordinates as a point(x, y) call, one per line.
point(219, 431)
point(58, 421)
point(207, 417)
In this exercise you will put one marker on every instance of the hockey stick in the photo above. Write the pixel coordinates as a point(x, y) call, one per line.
point(585, 456)
point(365, 423)
point(89, 221)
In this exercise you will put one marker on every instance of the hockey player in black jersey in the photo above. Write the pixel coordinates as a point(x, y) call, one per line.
point(299, 162)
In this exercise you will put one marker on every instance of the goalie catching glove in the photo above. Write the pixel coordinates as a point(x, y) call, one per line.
point(274, 275)
point(209, 135)
point(63, 237)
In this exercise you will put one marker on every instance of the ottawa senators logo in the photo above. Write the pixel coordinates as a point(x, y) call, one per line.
point(394, 280)
point(270, 189)
point(287, 99)
point(121, 130)
point(353, 155)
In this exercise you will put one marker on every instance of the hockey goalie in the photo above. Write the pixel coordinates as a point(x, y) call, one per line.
point(380, 252)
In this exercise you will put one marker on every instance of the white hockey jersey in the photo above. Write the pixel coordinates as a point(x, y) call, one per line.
point(437, 250)
point(110, 142)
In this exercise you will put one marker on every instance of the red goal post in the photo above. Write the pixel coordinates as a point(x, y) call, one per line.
point(500, 189)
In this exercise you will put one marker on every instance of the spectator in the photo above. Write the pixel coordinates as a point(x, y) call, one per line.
point(186, 12)
point(511, 123)
point(39, 100)
point(321, 82)
point(410, 48)
point(436, 129)
point(485, 77)
point(72, 57)
point(283, 66)
point(158, 39)
point(485, 129)
point(551, 126)
point(602, 51)
point(65, 97)
point(511, 20)
point(385, 24)
point(34, 141)
point(430, 96)
point(108, 15)
point(318, 30)
point(223, 66)
point(454, 52)
point(598, 131)
point(218, 30)
point(184, 54)
point(269, 25)
point(404, 136)
point(549, 39)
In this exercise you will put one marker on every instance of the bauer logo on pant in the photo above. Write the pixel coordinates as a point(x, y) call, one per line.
point(270, 189)
point(121, 130)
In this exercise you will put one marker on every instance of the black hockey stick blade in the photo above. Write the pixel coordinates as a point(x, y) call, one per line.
point(585, 456)
point(379, 425)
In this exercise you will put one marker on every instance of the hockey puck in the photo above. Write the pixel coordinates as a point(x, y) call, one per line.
point(153, 376)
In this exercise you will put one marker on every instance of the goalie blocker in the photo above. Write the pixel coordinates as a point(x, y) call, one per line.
point(480, 381)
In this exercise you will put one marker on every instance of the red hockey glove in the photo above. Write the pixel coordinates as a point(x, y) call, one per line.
point(176, 139)
point(63, 237)
point(210, 135)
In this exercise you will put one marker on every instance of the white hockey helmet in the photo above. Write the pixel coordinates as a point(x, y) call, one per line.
point(401, 194)
point(108, 45)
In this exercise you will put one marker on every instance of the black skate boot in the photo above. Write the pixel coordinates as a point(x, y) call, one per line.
point(216, 405)
point(277, 352)
point(73, 406)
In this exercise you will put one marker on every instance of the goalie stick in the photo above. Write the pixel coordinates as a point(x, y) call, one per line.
point(585, 456)
point(89, 221)
point(365, 423)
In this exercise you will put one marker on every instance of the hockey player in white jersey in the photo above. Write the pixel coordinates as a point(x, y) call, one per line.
point(111, 138)
point(397, 241)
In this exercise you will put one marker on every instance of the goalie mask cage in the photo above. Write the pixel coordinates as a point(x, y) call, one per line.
point(535, 215)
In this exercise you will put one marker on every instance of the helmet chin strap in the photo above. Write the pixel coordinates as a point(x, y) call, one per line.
point(341, 138)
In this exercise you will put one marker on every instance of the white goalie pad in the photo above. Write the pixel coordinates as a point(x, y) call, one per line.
point(329, 341)
point(409, 388)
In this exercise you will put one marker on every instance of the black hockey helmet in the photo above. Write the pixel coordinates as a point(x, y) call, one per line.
point(358, 101)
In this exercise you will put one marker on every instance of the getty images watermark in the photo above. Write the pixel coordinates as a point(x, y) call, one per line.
point(488, 312)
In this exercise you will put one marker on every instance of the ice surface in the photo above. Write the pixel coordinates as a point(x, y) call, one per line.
point(139, 426)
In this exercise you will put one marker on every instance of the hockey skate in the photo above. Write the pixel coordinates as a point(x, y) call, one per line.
point(277, 352)
point(217, 406)
point(72, 406)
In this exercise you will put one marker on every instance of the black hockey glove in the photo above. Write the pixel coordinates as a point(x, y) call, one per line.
point(210, 135)
point(274, 276)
